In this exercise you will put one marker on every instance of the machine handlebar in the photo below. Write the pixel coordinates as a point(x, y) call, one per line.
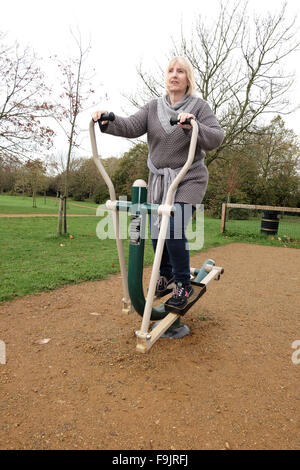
point(107, 117)
point(174, 121)
point(111, 117)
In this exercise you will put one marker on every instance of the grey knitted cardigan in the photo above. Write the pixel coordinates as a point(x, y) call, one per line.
point(168, 148)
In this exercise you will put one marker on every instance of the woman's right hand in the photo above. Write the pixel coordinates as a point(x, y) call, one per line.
point(97, 115)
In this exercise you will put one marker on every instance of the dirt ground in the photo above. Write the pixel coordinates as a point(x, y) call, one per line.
point(230, 384)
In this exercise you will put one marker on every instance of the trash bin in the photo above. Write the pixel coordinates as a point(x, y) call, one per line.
point(269, 223)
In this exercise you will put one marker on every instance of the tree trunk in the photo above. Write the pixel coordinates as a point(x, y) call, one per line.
point(60, 213)
point(65, 214)
point(33, 199)
point(227, 202)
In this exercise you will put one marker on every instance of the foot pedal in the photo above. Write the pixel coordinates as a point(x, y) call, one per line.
point(199, 290)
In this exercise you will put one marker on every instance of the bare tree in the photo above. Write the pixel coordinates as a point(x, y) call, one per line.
point(76, 91)
point(23, 103)
point(240, 67)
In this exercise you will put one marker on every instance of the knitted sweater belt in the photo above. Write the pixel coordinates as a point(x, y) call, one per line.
point(161, 179)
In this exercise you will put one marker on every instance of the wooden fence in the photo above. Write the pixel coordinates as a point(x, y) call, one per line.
point(252, 206)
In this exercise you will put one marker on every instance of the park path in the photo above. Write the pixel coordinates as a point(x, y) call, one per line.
point(81, 205)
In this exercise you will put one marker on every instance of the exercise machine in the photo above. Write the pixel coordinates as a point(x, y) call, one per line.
point(167, 318)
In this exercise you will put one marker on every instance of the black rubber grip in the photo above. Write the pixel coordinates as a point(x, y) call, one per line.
point(107, 117)
point(174, 121)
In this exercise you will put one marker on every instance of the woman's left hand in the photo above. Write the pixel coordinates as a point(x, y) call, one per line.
point(182, 117)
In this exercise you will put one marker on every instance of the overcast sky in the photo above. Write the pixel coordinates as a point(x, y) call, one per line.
point(122, 33)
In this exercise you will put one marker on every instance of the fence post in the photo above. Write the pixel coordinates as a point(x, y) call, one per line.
point(223, 219)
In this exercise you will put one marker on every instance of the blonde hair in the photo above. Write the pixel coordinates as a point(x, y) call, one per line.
point(186, 64)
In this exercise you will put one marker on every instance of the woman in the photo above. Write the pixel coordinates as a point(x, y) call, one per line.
point(168, 150)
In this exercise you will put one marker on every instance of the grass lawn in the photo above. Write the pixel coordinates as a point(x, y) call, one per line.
point(23, 205)
point(34, 258)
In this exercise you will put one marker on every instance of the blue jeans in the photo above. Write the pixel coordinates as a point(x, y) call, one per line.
point(175, 259)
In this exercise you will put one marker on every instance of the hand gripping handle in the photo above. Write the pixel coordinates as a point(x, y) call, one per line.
point(174, 121)
point(107, 117)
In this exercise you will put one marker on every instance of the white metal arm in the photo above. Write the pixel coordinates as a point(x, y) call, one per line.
point(115, 214)
point(165, 210)
point(186, 166)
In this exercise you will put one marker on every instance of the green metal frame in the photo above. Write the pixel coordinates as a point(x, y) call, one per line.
point(138, 206)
